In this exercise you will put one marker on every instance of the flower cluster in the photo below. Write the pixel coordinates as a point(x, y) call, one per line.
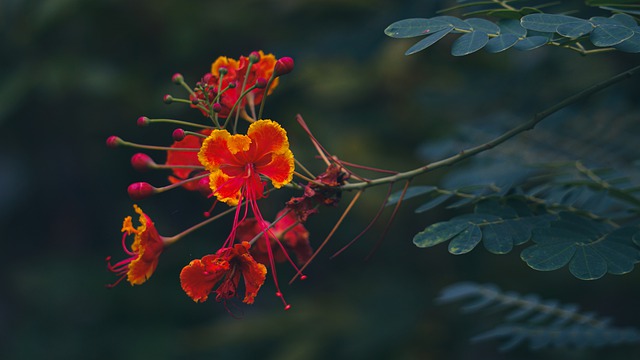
point(237, 169)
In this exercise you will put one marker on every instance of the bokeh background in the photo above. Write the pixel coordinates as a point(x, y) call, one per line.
point(74, 72)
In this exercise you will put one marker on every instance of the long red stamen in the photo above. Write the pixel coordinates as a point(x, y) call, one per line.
point(335, 227)
point(366, 229)
point(391, 218)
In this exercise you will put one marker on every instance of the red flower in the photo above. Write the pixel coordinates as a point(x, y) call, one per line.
point(225, 267)
point(182, 160)
point(286, 234)
point(145, 251)
point(236, 71)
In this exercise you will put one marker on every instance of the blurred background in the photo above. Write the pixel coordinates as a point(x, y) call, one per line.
point(74, 72)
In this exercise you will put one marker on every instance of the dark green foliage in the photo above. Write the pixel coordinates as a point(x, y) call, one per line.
point(543, 323)
point(576, 216)
point(521, 30)
point(591, 249)
point(500, 226)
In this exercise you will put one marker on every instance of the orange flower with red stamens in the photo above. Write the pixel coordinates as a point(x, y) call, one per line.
point(287, 235)
point(225, 267)
point(235, 72)
point(237, 162)
point(145, 250)
point(186, 158)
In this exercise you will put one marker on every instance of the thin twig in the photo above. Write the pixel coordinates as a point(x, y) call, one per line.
point(464, 154)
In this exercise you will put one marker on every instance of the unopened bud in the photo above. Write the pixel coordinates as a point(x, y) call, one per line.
point(140, 190)
point(113, 141)
point(222, 71)
point(142, 162)
point(168, 99)
point(261, 83)
point(203, 186)
point(143, 121)
point(177, 78)
point(217, 107)
point(232, 85)
point(283, 66)
point(207, 77)
point(178, 134)
point(254, 57)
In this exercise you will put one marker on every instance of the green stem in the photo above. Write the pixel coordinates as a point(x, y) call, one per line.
point(180, 122)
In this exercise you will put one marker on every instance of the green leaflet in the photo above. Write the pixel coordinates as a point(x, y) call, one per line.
point(415, 27)
point(501, 43)
point(469, 43)
point(428, 41)
point(590, 251)
point(500, 227)
point(546, 22)
point(411, 192)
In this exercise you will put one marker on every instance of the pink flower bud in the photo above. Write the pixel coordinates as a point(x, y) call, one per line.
point(168, 99)
point(283, 66)
point(217, 107)
point(113, 141)
point(143, 121)
point(177, 78)
point(254, 57)
point(140, 190)
point(178, 134)
point(142, 162)
point(261, 83)
point(203, 186)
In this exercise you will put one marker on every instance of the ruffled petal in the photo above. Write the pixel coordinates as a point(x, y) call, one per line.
point(200, 276)
point(215, 151)
point(253, 272)
point(237, 143)
point(147, 244)
point(226, 189)
point(279, 169)
point(268, 137)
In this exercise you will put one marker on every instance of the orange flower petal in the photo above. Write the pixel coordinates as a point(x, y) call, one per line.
point(200, 276)
point(280, 169)
point(225, 188)
point(268, 136)
point(215, 151)
point(254, 275)
point(223, 61)
point(148, 244)
point(237, 143)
